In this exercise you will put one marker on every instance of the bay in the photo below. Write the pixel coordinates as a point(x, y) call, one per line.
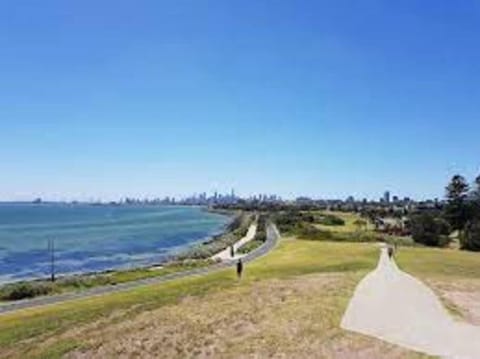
point(91, 238)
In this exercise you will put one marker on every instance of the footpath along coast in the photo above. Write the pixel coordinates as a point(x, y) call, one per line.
point(226, 255)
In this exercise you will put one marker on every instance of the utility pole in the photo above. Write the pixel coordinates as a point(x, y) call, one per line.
point(51, 250)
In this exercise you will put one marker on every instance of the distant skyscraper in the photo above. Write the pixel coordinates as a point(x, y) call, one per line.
point(386, 196)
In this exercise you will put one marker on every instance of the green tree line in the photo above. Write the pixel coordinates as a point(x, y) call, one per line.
point(460, 214)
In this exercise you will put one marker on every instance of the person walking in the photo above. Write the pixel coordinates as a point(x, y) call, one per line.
point(390, 251)
point(232, 251)
point(239, 269)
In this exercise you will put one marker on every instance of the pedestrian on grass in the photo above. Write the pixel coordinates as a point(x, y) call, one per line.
point(239, 269)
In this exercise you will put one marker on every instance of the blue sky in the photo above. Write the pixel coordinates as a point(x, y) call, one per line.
point(101, 99)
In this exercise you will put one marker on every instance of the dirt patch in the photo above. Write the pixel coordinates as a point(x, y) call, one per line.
point(278, 318)
point(462, 296)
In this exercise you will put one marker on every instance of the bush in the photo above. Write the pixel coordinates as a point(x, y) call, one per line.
point(288, 221)
point(400, 241)
point(331, 220)
point(250, 246)
point(430, 230)
point(22, 290)
point(85, 281)
point(470, 240)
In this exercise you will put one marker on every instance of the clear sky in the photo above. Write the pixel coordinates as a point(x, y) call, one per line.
point(102, 99)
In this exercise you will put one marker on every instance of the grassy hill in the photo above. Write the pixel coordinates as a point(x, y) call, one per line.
point(290, 301)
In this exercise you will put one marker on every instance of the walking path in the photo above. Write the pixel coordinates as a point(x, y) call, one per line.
point(225, 255)
point(273, 236)
point(396, 307)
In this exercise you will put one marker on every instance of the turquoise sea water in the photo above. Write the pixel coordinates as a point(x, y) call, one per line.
point(95, 238)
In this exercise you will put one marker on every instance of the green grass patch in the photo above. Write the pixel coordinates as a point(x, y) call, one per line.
point(311, 232)
point(250, 246)
point(329, 220)
point(21, 290)
point(436, 262)
point(350, 220)
point(59, 349)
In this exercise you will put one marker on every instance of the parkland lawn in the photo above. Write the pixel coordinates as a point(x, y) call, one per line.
point(453, 274)
point(349, 227)
point(289, 302)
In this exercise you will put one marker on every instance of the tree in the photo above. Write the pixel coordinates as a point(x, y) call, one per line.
point(471, 238)
point(476, 197)
point(430, 230)
point(477, 186)
point(456, 210)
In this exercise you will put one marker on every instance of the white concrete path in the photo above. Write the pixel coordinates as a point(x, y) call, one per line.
point(394, 306)
point(225, 255)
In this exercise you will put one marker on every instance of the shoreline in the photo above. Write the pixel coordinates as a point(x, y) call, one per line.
point(175, 251)
point(188, 258)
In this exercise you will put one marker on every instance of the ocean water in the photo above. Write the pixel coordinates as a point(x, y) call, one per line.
point(96, 238)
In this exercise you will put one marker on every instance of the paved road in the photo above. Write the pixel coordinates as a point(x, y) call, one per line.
point(272, 238)
point(396, 307)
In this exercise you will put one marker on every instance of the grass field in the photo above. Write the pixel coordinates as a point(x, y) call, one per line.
point(351, 232)
point(21, 290)
point(439, 263)
point(349, 226)
point(305, 284)
point(453, 274)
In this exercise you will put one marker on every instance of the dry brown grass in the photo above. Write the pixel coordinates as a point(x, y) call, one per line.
point(461, 296)
point(452, 274)
point(296, 317)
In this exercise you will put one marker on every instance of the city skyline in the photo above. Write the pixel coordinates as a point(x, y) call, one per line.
point(216, 197)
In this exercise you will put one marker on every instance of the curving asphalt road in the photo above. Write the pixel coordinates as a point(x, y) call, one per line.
point(272, 238)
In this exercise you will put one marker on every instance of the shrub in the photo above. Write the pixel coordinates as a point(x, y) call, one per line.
point(250, 246)
point(22, 290)
point(288, 221)
point(331, 220)
point(85, 281)
point(430, 230)
point(470, 240)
